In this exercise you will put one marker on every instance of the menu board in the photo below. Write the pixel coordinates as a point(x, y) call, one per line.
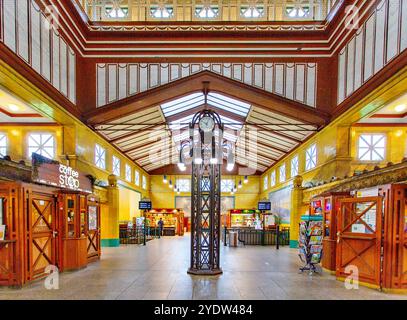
point(145, 205)
point(92, 218)
point(264, 206)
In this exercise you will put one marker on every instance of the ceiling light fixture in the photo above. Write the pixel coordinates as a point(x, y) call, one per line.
point(14, 107)
point(400, 108)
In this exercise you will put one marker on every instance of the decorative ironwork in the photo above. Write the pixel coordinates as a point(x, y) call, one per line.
point(206, 151)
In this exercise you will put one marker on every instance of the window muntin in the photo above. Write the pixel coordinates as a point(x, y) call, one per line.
point(372, 147)
point(116, 166)
point(100, 157)
point(227, 185)
point(184, 185)
point(294, 166)
point(273, 178)
point(252, 11)
point(128, 172)
point(117, 12)
point(206, 12)
point(282, 173)
point(137, 178)
point(311, 157)
point(42, 144)
point(266, 183)
point(297, 12)
point(3, 145)
point(144, 182)
point(161, 12)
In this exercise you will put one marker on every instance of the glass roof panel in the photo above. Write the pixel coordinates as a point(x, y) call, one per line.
point(182, 104)
point(225, 103)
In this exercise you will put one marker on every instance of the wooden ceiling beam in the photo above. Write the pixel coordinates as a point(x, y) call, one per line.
point(217, 83)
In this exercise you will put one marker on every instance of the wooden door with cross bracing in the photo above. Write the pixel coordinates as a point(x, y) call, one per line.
point(93, 228)
point(359, 239)
point(42, 234)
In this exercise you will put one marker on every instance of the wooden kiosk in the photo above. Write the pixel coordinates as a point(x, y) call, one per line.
point(328, 205)
point(373, 237)
point(47, 221)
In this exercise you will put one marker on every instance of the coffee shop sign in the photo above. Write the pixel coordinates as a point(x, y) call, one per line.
point(68, 177)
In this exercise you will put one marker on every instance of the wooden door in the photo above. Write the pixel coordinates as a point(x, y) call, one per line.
point(395, 236)
point(93, 228)
point(42, 234)
point(359, 239)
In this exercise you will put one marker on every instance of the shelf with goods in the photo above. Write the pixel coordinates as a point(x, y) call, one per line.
point(173, 220)
point(310, 242)
point(242, 218)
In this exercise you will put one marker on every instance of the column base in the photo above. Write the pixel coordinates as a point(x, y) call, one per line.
point(198, 272)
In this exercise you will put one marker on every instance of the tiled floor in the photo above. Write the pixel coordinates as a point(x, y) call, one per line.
point(158, 271)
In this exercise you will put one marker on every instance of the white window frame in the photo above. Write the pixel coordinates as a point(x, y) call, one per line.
point(311, 157)
point(227, 185)
point(273, 179)
point(137, 178)
point(283, 173)
point(184, 185)
point(266, 182)
point(295, 166)
point(144, 182)
point(162, 12)
point(216, 10)
point(116, 166)
point(3, 144)
point(371, 148)
point(100, 157)
point(128, 172)
point(252, 9)
point(42, 148)
point(121, 12)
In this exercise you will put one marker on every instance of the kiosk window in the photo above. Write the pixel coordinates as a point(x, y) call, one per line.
point(92, 218)
point(1, 211)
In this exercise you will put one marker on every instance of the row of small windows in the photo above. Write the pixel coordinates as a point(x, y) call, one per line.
point(207, 12)
point(100, 162)
point(371, 147)
point(310, 163)
point(184, 185)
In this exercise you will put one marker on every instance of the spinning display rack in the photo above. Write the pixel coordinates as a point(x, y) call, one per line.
point(310, 242)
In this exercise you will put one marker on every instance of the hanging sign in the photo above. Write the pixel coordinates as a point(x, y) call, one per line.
point(53, 173)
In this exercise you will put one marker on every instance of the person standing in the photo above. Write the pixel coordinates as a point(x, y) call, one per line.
point(161, 226)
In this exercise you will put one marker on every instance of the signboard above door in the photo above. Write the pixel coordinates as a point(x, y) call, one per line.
point(53, 173)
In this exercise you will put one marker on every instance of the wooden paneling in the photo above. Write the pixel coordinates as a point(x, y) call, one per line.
point(376, 43)
point(295, 81)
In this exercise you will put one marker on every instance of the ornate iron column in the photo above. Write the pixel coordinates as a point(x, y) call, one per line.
point(206, 150)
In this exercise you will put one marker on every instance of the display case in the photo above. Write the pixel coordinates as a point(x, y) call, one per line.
point(242, 218)
point(173, 220)
point(327, 205)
